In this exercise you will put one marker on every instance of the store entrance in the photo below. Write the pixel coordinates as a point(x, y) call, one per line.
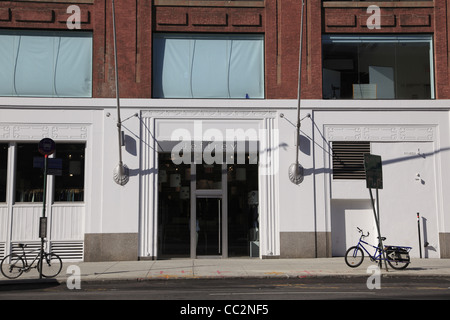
point(209, 227)
point(207, 210)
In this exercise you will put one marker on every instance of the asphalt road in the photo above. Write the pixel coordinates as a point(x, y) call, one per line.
point(234, 290)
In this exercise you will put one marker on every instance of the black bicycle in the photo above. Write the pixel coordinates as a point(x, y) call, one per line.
point(13, 265)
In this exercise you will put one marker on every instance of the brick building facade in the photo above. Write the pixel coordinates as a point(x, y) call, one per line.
point(107, 230)
point(277, 20)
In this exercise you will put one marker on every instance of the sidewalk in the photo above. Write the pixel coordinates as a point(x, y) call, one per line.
point(225, 268)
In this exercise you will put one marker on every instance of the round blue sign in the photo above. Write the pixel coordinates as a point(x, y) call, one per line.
point(46, 146)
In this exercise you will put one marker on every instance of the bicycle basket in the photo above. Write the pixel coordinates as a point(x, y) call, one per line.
point(396, 253)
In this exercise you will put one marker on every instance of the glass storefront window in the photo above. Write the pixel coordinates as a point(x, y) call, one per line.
point(3, 170)
point(173, 207)
point(69, 186)
point(175, 202)
point(29, 180)
point(209, 176)
point(243, 210)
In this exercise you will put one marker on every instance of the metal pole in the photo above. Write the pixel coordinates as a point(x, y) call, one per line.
point(294, 173)
point(299, 89)
point(44, 198)
point(380, 242)
point(379, 233)
point(119, 121)
point(418, 229)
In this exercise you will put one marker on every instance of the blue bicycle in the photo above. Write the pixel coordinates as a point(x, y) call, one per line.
point(397, 257)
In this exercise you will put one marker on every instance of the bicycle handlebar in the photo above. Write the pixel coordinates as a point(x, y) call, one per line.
point(362, 234)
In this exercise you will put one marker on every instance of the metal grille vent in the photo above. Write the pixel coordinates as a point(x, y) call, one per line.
point(2, 249)
point(68, 250)
point(31, 249)
point(348, 159)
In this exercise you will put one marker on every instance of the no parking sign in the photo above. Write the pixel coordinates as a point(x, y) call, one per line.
point(46, 146)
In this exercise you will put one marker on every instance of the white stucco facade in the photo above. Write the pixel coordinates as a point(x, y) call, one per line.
point(314, 219)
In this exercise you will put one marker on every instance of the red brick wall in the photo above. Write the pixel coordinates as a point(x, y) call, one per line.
point(279, 20)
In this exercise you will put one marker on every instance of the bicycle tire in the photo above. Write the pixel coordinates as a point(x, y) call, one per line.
point(51, 265)
point(397, 265)
point(354, 257)
point(12, 266)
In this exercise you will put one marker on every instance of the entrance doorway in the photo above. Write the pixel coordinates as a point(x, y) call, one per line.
point(207, 210)
point(209, 227)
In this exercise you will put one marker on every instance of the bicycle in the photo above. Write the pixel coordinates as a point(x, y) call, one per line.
point(396, 256)
point(13, 265)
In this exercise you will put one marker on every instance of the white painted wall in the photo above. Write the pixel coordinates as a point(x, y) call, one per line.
point(396, 128)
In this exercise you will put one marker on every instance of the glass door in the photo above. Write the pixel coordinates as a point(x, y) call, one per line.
point(209, 226)
point(209, 208)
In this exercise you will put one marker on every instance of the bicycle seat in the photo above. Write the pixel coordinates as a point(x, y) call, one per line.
point(21, 245)
point(382, 238)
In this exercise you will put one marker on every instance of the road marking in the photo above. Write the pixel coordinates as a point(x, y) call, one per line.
point(287, 292)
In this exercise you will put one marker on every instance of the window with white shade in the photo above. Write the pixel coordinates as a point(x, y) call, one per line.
point(208, 66)
point(45, 63)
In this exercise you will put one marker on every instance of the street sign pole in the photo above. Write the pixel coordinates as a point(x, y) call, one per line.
point(43, 220)
point(374, 179)
point(46, 147)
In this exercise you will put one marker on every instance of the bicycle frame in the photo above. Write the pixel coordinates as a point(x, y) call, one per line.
point(27, 266)
point(374, 257)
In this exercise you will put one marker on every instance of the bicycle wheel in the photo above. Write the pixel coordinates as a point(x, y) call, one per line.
point(397, 265)
point(354, 257)
point(12, 266)
point(51, 265)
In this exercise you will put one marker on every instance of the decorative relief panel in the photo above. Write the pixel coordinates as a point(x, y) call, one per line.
point(392, 19)
point(196, 19)
point(380, 133)
point(217, 114)
point(12, 132)
point(46, 15)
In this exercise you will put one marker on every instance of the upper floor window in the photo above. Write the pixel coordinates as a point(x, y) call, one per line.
point(376, 0)
point(45, 63)
point(208, 66)
point(377, 67)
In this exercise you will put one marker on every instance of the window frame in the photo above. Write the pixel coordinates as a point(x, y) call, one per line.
point(386, 39)
point(157, 69)
point(54, 61)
